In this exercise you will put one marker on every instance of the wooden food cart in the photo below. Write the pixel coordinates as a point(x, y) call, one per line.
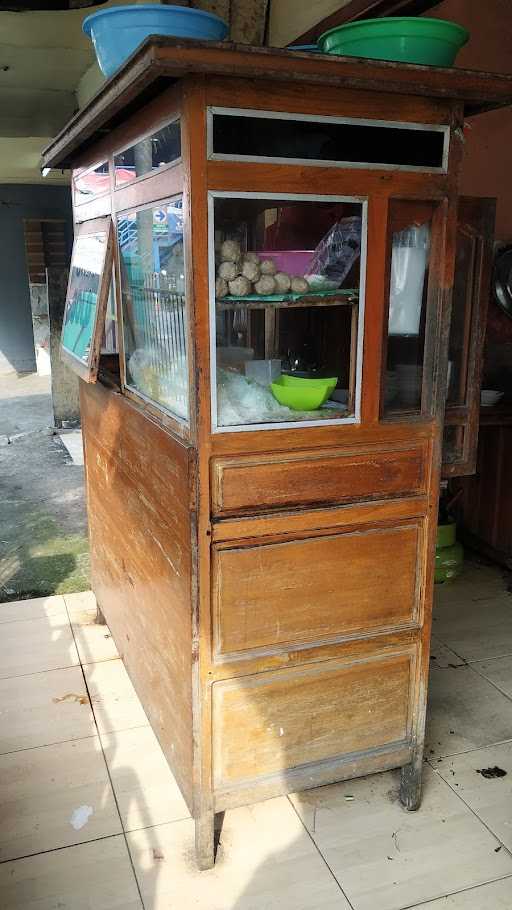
point(266, 570)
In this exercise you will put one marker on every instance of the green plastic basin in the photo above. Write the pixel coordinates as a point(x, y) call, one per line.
point(302, 394)
point(407, 39)
point(446, 535)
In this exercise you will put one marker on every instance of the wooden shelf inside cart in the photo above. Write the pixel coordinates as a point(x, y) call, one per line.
point(344, 297)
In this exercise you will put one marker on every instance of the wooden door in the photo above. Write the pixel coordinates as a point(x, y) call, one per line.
point(471, 290)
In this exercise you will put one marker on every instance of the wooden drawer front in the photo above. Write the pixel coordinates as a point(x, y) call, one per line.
point(314, 589)
point(267, 723)
point(255, 484)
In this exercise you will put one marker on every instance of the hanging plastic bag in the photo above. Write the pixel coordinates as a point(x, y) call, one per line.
point(336, 253)
point(409, 261)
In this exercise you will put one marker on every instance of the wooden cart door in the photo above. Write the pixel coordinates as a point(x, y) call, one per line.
point(471, 290)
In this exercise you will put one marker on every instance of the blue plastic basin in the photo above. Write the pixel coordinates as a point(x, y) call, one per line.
point(308, 48)
point(117, 32)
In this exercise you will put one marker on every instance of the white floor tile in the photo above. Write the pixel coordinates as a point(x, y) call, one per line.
point(489, 798)
point(34, 608)
point(387, 858)
point(93, 640)
point(95, 876)
point(145, 789)
point(114, 700)
point(266, 861)
point(477, 582)
point(81, 606)
point(493, 896)
point(478, 626)
point(44, 708)
point(35, 645)
point(464, 712)
point(441, 657)
point(55, 796)
point(498, 671)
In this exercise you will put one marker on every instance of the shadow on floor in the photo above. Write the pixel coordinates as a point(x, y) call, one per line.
point(43, 536)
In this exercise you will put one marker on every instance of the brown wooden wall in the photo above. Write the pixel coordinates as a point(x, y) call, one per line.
point(140, 484)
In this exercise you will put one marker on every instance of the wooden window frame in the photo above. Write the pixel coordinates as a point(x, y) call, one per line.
point(266, 114)
point(89, 371)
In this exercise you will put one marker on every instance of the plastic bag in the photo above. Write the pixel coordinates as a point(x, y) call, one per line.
point(337, 251)
point(408, 269)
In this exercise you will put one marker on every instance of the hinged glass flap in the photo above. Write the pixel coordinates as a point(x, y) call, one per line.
point(89, 285)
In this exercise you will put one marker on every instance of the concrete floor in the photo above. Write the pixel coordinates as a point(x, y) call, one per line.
point(43, 536)
point(25, 404)
point(91, 818)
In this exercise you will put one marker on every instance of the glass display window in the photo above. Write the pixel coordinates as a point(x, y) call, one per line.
point(109, 343)
point(91, 183)
point(148, 155)
point(410, 229)
point(255, 135)
point(154, 307)
point(287, 303)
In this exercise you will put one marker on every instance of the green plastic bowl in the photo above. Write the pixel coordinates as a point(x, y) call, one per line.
point(302, 394)
point(406, 39)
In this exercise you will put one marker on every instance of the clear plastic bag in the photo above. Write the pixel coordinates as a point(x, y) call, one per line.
point(409, 262)
point(337, 251)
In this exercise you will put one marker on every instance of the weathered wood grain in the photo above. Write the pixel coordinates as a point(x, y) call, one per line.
point(272, 723)
point(315, 588)
point(138, 501)
point(252, 484)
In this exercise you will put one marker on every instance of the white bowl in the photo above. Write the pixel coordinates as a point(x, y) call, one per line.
point(490, 397)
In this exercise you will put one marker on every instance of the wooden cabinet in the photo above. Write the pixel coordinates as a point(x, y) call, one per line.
point(266, 569)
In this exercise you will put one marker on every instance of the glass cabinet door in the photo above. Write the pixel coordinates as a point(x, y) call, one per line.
point(152, 273)
point(471, 290)
point(287, 276)
point(411, 233)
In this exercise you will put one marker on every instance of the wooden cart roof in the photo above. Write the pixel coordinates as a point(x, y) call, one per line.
point(161, 61)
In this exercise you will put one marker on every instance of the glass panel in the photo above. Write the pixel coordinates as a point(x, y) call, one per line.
point(263, 135)
point(453, 444)
point(93, 183)
point(408, 283)
point(149, 154)
point(154, 304)
point(286, 311)
point(460, 327)
point(109, 344)
point(85, 288)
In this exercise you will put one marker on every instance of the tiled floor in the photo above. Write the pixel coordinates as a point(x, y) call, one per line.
point(91, 818)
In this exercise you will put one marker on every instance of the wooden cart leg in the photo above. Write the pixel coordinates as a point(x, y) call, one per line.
point(100, 619)
point(410, 784)
point(205, 840)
